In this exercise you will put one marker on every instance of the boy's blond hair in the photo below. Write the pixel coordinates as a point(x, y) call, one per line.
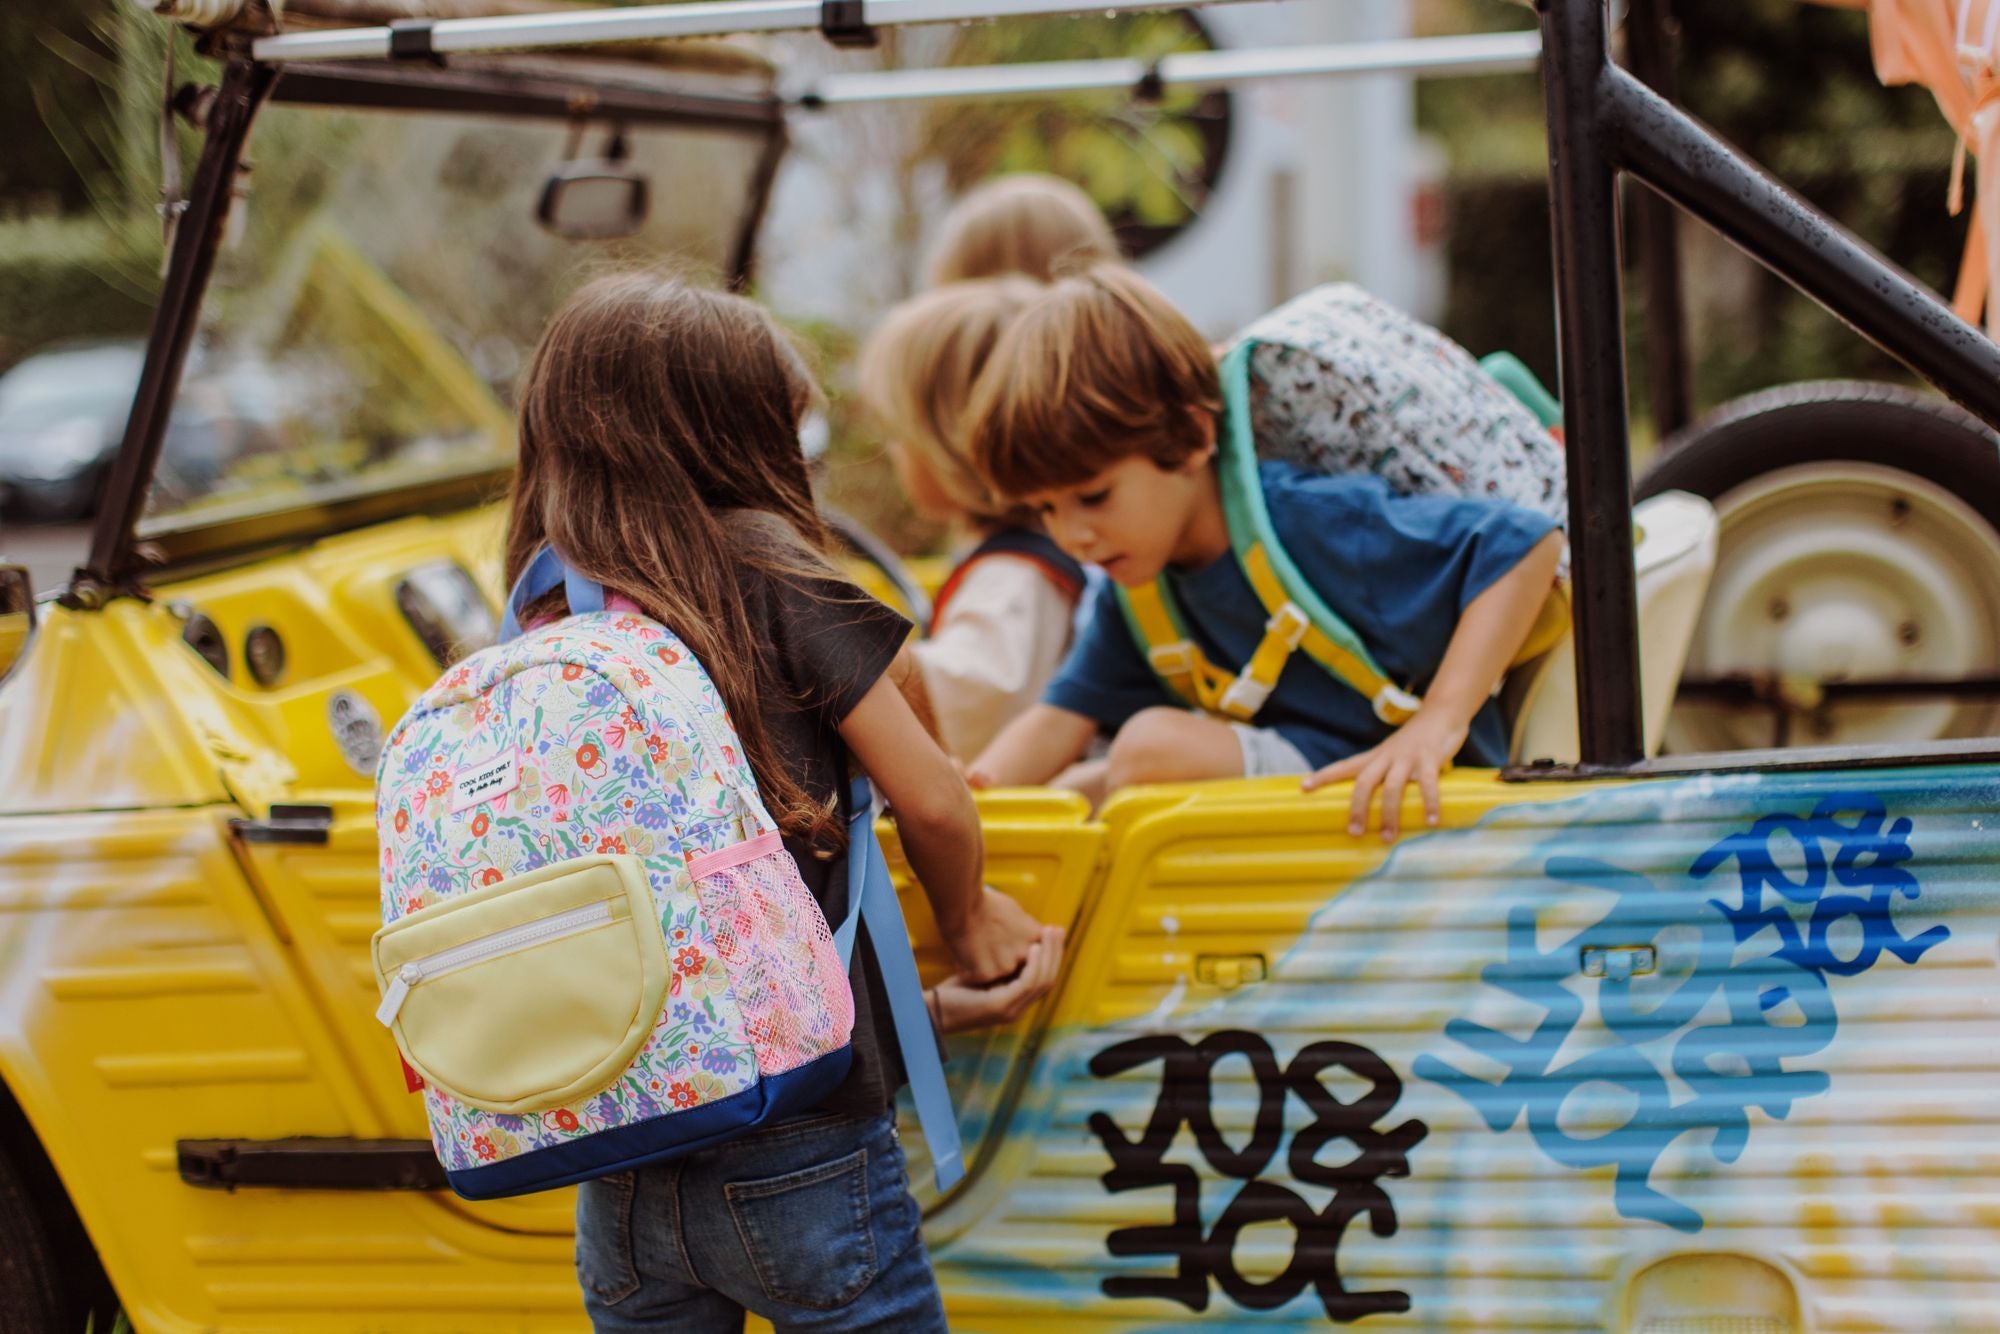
point(917, 373)
point(1098, 368)
point(1026, 223)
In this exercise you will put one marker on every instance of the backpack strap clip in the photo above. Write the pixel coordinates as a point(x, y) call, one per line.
point(1395, 706)
point(1289, 624)
point(1175, 659)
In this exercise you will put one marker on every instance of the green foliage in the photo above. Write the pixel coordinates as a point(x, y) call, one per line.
point(1793, 86)
point(74, 278)
point(81, 105)
point(1146, 164)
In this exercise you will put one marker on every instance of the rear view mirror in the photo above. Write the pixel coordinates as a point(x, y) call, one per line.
point(17, 613)
point(594, 200)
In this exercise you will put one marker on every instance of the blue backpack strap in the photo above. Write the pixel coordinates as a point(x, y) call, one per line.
point(544, 572)
point(872, 896)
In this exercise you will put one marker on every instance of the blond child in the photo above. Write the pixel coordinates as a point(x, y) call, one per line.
point(1099, 409)
point(1001, 622)
point(1025, 223)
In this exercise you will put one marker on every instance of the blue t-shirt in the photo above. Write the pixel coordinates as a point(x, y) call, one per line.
point(1398, 569)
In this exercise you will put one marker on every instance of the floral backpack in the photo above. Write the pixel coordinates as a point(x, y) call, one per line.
point(1337, 381)
point(596, 951)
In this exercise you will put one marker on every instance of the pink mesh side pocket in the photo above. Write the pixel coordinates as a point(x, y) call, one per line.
point(770, 934)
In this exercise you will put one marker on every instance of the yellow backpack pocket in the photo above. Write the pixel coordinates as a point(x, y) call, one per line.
point(531, 993)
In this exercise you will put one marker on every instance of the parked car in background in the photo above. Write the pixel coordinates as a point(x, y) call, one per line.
point(61, 414)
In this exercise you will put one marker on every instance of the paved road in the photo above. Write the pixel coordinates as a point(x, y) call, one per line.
point(50, 551)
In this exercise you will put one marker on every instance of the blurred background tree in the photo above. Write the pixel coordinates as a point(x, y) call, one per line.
point(1788, 82)
point(1149, 163)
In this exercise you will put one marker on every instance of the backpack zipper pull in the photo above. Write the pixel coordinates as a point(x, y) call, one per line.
point(399, 987)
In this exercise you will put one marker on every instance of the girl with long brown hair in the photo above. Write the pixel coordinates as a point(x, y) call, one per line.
point(659, 455)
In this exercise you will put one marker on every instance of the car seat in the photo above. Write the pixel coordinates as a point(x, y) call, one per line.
point(1674, 553)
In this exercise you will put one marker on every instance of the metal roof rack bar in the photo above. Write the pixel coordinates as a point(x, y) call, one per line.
point(715, 18)
point(1486, 53)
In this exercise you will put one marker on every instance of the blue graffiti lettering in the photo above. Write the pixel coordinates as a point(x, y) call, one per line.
point(1758, 1010)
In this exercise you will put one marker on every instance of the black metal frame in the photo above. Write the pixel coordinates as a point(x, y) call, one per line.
point(485, 89)
point(197, 237)
point(1602, 121)
point(472, 87)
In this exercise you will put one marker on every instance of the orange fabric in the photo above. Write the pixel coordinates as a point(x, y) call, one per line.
point(1919, 41)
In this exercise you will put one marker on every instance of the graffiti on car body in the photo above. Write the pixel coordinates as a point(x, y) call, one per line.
point(1742, 988)
point(1186, 1095)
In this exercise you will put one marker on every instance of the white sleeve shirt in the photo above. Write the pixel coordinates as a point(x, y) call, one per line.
point(1002, 637)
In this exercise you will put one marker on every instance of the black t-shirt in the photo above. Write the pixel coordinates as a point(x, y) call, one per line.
point(830, 643)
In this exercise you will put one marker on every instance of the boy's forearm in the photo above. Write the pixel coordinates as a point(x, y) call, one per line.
point(1490, 632)
point(1035, 747)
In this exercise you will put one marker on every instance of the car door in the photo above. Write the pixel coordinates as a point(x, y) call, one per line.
point(1633, 1056)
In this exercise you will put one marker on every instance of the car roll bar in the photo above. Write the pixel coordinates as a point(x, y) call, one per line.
point(196, 238)
point(1482, 53)
point(1602, 120)
point(846, 21)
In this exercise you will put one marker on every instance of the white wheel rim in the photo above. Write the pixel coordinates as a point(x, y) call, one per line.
point(1845, 571)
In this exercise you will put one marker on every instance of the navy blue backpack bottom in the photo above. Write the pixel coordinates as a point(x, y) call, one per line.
point(670, 1135)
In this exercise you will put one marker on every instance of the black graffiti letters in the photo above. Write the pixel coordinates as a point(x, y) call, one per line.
point(1186, 1095)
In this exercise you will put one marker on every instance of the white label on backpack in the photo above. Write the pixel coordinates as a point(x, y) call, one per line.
point(483, 782)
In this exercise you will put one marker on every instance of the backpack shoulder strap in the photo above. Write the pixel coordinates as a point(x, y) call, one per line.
point(1299, 617)
point(544, 572)
point(871, 898)
point(1154, 620)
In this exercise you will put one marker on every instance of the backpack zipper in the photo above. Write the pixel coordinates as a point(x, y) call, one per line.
point(501, 943)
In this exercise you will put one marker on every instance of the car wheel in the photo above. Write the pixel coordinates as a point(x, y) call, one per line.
point(1859, 539)
point(32, 1300)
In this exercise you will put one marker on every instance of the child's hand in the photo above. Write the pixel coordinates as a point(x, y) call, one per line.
point(992, 940)
point(960, 1005)
point(1421, 749)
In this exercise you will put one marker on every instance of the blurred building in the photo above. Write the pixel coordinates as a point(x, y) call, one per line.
point(1321, 179)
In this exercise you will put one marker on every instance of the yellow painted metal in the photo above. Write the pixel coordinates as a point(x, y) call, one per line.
point(162, 979)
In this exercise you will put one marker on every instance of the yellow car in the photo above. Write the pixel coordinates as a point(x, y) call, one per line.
point(1703, 1044)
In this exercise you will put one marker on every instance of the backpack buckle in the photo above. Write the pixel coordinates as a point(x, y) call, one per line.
point(1244, 697)
point(1290, 624)
point(1175, 659)
point(1395, 706)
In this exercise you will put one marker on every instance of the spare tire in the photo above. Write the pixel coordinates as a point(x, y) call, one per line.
point(1859, 539)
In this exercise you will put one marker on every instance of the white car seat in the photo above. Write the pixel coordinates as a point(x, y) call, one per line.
point(1675, 554)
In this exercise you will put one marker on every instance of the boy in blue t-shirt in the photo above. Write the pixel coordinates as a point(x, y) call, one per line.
point(1099, 408)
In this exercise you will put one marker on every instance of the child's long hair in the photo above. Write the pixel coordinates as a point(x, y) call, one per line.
point(650, 410)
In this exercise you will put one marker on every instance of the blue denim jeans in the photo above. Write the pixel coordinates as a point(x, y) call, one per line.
point(809, 1223)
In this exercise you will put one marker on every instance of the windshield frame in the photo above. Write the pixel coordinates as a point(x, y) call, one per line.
point(122, 549)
